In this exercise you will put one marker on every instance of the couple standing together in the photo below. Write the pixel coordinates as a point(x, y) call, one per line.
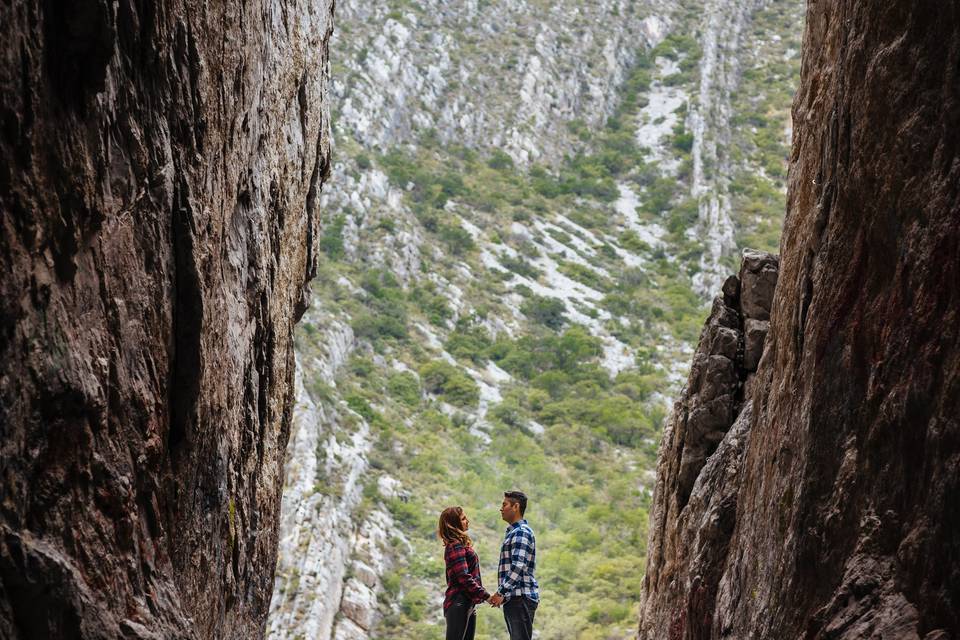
point(517, 594)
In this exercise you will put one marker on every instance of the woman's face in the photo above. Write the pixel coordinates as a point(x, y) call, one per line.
point(464, 522)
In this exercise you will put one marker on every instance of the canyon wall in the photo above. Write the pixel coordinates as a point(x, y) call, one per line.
point(159, 198)
point(830, 509)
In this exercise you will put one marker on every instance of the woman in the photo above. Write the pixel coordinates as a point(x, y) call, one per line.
point(464, 589)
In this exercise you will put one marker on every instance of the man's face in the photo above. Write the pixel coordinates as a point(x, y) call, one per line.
point(509, 510)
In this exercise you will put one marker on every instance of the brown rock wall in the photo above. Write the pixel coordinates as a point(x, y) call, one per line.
point(848, 493)
point(161, 164)
point(700, 457)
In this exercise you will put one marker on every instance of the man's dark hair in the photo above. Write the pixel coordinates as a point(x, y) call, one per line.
point(519, 497)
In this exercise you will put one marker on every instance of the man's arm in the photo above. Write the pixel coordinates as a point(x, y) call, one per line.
point(521, 549)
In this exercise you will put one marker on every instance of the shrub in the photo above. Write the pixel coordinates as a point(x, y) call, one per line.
point(457, 239)
point(450, 383)
point(500, 161)
point(361, 406)
point(331, 242)
point(414, 604)
point(375, 326)
point(432, 305)
point(404, 387)
point(683, 216)
point(469, 340)
point(520, 266)
point(546, 311)
point(682, 140)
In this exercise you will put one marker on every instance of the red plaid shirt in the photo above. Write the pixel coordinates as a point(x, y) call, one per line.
point(463, 574)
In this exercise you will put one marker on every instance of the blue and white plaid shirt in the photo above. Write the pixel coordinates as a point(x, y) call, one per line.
point(518, 560)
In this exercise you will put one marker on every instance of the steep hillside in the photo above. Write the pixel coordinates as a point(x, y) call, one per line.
point(160, 169)
point(509, 290)
point(830, 508)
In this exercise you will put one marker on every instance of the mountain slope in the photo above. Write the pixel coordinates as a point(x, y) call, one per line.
point(509, 298)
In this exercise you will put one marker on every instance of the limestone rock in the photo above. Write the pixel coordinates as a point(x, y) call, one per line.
point(159, 197)
point(848, 489)
point(359, 603)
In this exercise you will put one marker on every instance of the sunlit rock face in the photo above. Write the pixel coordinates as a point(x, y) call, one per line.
point(846, 497)
point(159, 197)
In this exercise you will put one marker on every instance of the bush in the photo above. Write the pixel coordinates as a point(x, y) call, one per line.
point(469, 340)
point(500, 161)
point(405, 388)
point(361, 406)
point(520, 266)
point(433, 305)
point(546, 311)
point(414, 604)
point(450, 383)
point(331, 242)
point(457, 239)
point(683, 216)
point(682, 140)
point(376, 326)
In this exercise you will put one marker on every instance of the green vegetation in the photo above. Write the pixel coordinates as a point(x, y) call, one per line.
point(762, 107)
point(546, 311)
point(449, 383)
point(579, 440)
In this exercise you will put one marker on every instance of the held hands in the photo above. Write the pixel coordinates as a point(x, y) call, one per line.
point(496, 600)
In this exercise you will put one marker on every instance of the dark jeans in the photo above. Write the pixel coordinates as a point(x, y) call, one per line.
point(518, 611)
point(461, 619)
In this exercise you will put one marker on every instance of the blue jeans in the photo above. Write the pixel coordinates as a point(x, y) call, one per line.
point(518, 612)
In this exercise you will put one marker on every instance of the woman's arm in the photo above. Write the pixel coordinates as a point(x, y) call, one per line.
point(457, 567)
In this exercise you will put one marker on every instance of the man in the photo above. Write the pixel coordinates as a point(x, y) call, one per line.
point(518, 593)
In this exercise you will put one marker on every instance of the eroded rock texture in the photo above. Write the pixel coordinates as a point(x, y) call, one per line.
point(158, 190)
point(848, 493)
point(701, 455)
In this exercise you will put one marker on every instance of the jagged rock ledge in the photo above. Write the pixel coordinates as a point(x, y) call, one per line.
point(701, 452)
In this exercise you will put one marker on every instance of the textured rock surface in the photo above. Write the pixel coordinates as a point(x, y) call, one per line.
point(158, 196)
point(542, 65)
point(847, 500)
point(701, 454)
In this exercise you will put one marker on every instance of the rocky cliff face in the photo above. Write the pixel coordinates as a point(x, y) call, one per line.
point(701, 456)
point(506, 75)
point(162, 164)
point(829, 509)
